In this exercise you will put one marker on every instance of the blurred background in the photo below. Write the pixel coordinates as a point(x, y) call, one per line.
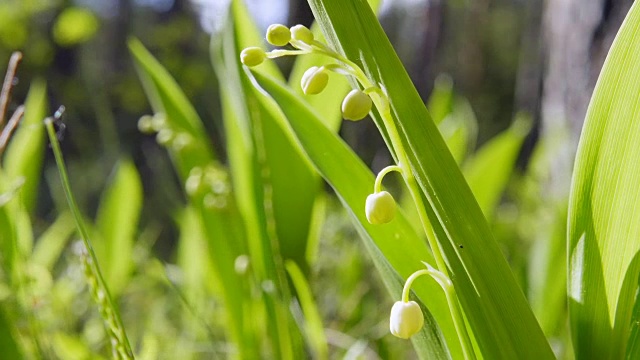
point(504, 56)
point(500, 57)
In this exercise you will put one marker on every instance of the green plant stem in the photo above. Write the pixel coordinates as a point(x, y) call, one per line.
point(450, 294)
point(382, 104)
point(377, 187)
point(121, 347)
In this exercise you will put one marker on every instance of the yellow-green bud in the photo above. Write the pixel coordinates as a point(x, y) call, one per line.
point(406, 319)
point(252, 56)
point(164, 136)
point(302, 33)
point(145, 124)
point(380, 208)
point(278, 35)
point(314, 80)
point(356, 105)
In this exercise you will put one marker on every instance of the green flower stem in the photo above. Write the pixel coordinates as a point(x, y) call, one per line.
point(120, 342)
point(377, 187)
point(280, 53)
point(382, 104)
point(450, 294)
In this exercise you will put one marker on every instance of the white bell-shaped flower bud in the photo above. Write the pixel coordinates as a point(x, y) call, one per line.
point(314, 80)
point(380, 208)
point(302, 33)
point(406, 319)
point(356, 105)
point(252, 56)
point(278, 35)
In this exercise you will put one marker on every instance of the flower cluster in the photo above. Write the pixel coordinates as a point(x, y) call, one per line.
point(356, 105)
point(165, 135)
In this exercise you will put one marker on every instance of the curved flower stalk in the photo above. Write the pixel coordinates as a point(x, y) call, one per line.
point(406, 316)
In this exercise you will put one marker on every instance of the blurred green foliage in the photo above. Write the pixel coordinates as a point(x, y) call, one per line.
point(160, 268)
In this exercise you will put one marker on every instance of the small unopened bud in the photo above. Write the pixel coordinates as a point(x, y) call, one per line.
point(380, 208)
point(406, 319)
point(302, 33)
point(356, 105)
point(164, 137)
point(314, 80)
point(145, 124)
point(252, 56)
point(278, 35)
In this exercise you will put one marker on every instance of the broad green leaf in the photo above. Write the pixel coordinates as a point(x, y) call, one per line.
point(396, 249)
point(498, 314)
point(604, 221)
point(489, 169)
point(117, 222)
point(26, 150)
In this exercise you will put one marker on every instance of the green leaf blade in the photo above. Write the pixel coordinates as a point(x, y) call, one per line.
point(26, 150)
point(499, 316)
point(118, 224)
point(604, 216)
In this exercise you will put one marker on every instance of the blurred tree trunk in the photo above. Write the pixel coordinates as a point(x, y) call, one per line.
point(577, 36)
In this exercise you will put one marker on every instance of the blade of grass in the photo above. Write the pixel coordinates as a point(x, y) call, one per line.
point(117, 221)
point(497, 311)
point(604, 221)
point(313, 322)
point(25, 152)
point(121, 349)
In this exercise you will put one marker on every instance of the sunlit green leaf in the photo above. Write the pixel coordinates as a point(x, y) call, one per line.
point(604, 221)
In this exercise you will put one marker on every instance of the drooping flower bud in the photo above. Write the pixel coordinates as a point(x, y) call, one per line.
point(145, 124)
point(314, 80)
point(278, 35)
point(406, 319)
point(380, 208)
point(164, 137)
point(302, 33)
point(356, 105)
point(252, 56)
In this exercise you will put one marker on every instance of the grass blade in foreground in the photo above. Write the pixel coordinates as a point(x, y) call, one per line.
point(113, 324)
point(604, 216)
point(498, 314)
